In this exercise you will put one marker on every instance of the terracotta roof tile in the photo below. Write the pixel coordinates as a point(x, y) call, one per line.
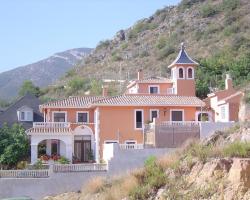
point(156, 100)
point(74, 101)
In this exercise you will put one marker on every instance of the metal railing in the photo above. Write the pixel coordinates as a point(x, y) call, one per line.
point(131, 146)
point(42, 173)
point(51, 124)
point(171, 91)
point(79, 167)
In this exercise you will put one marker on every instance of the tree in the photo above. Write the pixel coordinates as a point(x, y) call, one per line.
point(14, 145)
point(29, 87)
point(96, 87)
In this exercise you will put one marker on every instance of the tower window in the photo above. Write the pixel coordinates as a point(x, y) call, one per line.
point(181, 73)
point(190, 73)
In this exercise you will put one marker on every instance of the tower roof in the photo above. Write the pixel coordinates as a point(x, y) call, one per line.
point(183, 58)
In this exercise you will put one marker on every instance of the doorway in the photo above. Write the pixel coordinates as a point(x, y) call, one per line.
point(83, 150)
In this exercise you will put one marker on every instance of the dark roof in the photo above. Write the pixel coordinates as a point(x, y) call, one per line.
point(9, 115)
point(183, 58)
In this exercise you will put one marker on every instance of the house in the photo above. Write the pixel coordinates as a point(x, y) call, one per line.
point(224, 104)
point(78, 127)
point(24, 111)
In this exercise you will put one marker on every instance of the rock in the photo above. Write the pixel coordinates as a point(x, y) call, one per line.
point(240, 172)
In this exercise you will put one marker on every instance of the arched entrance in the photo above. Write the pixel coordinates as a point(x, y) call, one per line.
point(83, 144)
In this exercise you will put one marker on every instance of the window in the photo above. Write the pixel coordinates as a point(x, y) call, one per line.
point(181, 73)
point(59, 116)
point(25, 116)
point(176, 115)
point(130, 142)
point(111, 142)
point(138, 119)
point(153, 89)
point(223, 112)
point(82, 117)
point(154, 114)
point(190, 73)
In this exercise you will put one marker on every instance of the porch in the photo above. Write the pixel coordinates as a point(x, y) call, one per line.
point(52, 140)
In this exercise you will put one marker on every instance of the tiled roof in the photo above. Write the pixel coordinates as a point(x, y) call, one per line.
point(72, 102)
point(226, 99)
point(151, 80)
point(156, 100)
point(183, 58)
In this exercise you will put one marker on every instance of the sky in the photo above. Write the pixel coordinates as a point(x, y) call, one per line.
point(31, 30)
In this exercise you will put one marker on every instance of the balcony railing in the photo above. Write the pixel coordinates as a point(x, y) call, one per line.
point(131, 146)
point(51, 125)
point(180, 123)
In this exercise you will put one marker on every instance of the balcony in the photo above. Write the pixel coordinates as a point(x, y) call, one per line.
point(51, 125)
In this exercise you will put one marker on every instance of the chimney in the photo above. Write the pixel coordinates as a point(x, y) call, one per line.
point(140, 74)
point(104, 91)
point(228, 82)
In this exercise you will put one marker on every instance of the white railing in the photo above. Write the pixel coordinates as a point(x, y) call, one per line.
point(43, 173)
point(51, 124)
point(131, 146)
point(170, 91)
point(180, 123)
point(80, 167)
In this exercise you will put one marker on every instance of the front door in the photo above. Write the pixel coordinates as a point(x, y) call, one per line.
point(82, 150)
point(177, 115)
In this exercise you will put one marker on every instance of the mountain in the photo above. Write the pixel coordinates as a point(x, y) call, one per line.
point(216, 34)
point(41, 73)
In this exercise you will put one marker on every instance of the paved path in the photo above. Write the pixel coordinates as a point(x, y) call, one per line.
point(65, 182)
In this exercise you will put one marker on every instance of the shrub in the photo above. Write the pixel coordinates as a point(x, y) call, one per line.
point(70, 73)
point(116, 57)
point(38, 164)
point(124, 46)
point(165, 52)
point(152, 178)
point(230, 5)
point(22, 165)
point(237, 149)
point(103, 44)
point(144, 54)
point(208, 10)
point(76, 84)
point(200, 151)
point(95, 185)
point(63, 160)
point(140, 27)
point(161, 43)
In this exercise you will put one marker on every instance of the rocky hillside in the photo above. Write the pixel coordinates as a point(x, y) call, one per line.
point(218, 29)
point(217, 168)
point(41, 73)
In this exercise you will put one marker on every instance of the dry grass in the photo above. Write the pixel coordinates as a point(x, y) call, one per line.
point(168, 160)
point(95, 185)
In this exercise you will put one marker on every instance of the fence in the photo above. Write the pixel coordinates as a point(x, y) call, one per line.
point(43, 173)
point(131, 146)
point(171, 134)
point(79, 167)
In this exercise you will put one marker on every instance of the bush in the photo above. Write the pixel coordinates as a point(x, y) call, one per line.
point(230, 5)
point(103, 44)
point(124, 46)
point(208, 10)
point(152, 178)
point(237, 149)
point(70, 73)
point(95, 185)
point(161, 43)
point(116, 57)
point(165, 52)
point(140, 27)
point(63, 160)
point(76, 84)
point(200, 151)
point(38, 164)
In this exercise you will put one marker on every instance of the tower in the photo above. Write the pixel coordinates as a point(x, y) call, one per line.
point(182, 73)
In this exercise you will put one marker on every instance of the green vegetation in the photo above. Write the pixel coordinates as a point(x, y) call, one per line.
point(63, 160)
point(14, 145)
point(116, 56)
point(140, 27)
point(4, 104)
point(151, 179)
point(237, 149)
point(208, 10)
point(96, 87)
point(103, 44)
point(77, 84)
point(29, 87)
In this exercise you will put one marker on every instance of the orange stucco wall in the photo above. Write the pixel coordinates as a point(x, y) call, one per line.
point(185, 87)
point(144, 87)
point(118, 123)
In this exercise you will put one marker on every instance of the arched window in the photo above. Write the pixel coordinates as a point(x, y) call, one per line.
point(190, 73)
point(181, 73)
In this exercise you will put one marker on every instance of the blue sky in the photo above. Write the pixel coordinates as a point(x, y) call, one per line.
point(31, 30)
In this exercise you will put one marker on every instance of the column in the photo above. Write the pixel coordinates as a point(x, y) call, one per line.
point(34, 152)
point(48, 147)
point(69, 151)
point(97, 134)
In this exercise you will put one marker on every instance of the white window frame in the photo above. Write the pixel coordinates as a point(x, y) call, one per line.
point(183, 114)
point(111, 141)
point(225, 113)
point(203, 112)
point(178, 71)
point(135, 119)
point(25, 119)
point(150, 113)
point(192, 72)
point(78, 112)
point(158, 89)
point(66, 116)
